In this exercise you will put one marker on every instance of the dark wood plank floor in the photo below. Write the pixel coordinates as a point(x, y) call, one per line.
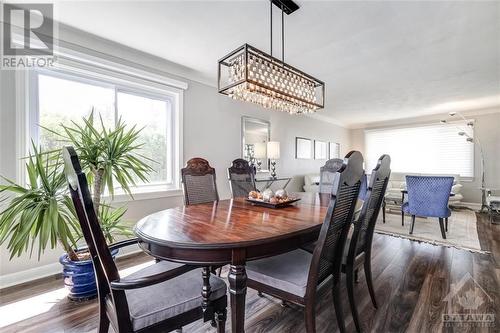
point(411, 281)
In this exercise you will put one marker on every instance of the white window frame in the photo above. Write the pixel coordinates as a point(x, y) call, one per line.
point(125, 79)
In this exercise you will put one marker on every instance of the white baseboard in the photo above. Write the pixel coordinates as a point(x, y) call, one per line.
point(36, 273)
point(27, 275)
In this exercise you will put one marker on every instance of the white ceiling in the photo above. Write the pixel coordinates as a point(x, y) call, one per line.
point(380, 60)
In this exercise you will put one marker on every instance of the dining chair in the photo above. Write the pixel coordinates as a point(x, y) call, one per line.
point(299, 276)
point(358, 248)
point(327, 174)
point(200, 186)
point(241, 178)
point(159, 298)
point(361, 196)
point(428, 196)
point(198, 178)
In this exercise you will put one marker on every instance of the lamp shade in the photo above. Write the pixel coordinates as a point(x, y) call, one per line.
point(259, 150)
point(273, 150)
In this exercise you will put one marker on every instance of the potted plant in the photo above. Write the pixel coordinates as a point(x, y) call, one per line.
point(41, 214)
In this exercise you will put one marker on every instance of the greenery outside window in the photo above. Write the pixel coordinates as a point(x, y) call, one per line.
point(63, 96)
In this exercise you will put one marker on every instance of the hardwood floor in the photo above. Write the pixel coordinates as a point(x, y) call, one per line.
point(411, 280)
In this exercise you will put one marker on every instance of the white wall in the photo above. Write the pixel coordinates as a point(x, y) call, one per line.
point(486, 129)
point(212, 130)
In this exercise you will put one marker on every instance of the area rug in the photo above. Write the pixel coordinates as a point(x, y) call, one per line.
point(462, 230)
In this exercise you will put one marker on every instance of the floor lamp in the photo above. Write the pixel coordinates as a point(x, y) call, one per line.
point(471, 139)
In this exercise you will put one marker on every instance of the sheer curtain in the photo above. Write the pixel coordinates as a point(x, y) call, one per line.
point(434, 149)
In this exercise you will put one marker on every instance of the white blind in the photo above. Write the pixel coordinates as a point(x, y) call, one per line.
point(434, 149)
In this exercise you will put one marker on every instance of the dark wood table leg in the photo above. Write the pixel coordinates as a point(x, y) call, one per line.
point(208, 311)
point(238, 289)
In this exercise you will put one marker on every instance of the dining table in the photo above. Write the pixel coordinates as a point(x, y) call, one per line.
point(232, 232)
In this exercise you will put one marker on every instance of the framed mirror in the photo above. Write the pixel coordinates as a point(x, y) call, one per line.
point(255, 134)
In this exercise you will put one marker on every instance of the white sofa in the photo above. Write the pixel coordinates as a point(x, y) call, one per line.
point(311, 182)
point(397, 182)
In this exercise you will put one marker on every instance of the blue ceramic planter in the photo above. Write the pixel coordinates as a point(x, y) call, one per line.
point(79, 278)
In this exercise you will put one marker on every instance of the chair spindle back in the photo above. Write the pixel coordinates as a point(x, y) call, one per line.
point(241, 178)
point(365, 225)
point(327, 255)
point(198, 178)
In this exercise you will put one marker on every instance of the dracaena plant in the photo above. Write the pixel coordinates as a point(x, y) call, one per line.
point(41, 214)
point(109, 156)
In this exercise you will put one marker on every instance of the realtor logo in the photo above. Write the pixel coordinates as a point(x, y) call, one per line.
point(27, 35)
point(468, 305)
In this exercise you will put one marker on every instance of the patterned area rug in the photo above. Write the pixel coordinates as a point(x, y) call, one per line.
point(462, 230)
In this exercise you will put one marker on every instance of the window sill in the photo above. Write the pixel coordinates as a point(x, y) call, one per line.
point(144, 195)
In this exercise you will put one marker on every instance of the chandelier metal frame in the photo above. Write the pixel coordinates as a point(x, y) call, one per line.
point(246, 78)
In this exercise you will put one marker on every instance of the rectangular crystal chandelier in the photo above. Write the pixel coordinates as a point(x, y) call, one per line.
point(250, 75)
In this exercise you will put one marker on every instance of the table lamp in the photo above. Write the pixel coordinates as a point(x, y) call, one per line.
point(273, 153)
point(259, 153)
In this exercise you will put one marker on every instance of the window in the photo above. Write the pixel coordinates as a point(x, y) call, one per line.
point(61, 97)
point(433, 149)
point(155, 118)
point(334, 150)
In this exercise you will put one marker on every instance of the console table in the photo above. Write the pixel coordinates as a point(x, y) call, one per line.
point(269, 181)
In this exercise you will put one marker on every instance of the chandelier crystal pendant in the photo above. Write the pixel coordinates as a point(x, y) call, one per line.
point(251, 75)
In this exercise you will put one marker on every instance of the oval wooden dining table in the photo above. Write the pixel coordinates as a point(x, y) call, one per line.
point(231, 232)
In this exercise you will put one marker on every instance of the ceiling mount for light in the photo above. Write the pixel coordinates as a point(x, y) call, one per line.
point(288, 6)
point(251, 75)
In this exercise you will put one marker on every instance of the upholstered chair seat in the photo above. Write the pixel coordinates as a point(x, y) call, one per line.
point(287, 271)
point(443, 214)
point(162, 301)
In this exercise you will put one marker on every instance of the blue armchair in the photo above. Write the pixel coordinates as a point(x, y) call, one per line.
point(428, 197)
point(363, 189)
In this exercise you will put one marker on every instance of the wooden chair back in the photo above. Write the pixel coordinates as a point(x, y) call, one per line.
point(198, 178)
point(364, 227)
point(327, 255)
point(104, 265)
point(241, 178)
